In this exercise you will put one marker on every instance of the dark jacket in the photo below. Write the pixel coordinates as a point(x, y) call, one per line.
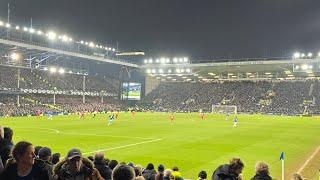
point(5, 149)
point(87, 172)
point(103, 169)
point(10, 172)
point(149, 174)
point(261, 177)
point(223, 173)
point(45, 166)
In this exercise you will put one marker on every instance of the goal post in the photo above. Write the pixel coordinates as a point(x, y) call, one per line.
point(224, 109)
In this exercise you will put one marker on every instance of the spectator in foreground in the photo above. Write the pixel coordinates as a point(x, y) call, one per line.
point(262, 171)
point(112, 164)
point(44, 161)
point(229, 171)
point(123, 172)
point(74, 166)
point(176, 174)
point(22, 165)
point(202, 175)
point(167, 175)
point(6, 144)
point(138, 172)
point(160, 173)
point(101, 165)
point(55, 158)
point(297, 176)
point(149, 173)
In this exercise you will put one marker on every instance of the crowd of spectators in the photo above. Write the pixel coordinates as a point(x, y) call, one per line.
point(35, 79)
point(24, 161)
point(282, 97)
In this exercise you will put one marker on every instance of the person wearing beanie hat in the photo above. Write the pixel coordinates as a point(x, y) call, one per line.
point(202, 175)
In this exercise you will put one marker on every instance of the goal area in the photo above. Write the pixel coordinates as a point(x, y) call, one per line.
point(224, 109)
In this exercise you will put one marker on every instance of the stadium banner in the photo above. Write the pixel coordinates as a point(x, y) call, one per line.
point(131, 91)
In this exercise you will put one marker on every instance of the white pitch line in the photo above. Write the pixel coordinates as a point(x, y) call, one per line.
point(124, 146)
point(106, 135)
point(309, 159)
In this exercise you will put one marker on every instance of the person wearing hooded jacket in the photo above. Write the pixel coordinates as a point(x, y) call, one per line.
point(229, 171)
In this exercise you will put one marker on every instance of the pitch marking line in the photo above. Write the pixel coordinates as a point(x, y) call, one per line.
point(124, 146)
point(81, 134)
point(308, 160)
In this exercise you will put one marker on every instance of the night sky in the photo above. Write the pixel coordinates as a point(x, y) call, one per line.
point(200, 29)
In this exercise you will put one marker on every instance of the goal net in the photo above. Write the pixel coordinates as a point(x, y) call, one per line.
point(224, 109)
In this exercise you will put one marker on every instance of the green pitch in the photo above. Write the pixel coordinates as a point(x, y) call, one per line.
point(189, 143)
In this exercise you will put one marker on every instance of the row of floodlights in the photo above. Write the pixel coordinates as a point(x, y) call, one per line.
point(169, 71)
point(51, 35)
point(55, 70)
point(166, 60)
point(298, 55)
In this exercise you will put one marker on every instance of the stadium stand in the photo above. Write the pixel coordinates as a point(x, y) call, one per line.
point(277, 97)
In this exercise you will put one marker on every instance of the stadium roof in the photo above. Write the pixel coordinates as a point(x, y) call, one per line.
point(265, 69)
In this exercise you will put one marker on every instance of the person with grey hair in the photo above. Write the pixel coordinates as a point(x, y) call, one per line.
point(262, 171)
point(101, 165)
point(123, 172)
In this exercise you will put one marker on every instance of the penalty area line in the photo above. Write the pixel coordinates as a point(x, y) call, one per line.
point(124, 146)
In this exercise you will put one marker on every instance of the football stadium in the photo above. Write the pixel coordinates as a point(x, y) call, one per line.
point(73, 108)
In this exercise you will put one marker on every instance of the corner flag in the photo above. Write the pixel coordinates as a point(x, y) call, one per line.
point(282, 156)
point(282, 162)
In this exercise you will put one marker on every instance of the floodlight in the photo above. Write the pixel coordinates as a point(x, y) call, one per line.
point(106, 48)
point(157, 60)
point(153, 71)
point(148, 71)
point(162, 60)
point(39, 32)
point(86, 43)
point(182, 70)
point(101, 46)
point(146, 61)
point(110, 48)
point(310, 67)
point(150, 60)
point(309, 55)
point(160, 70)
point(31, 30)
point(169, 71)
point(52, 35)
point(1, 23)
point(70, 39)
point(64, 38)
point(296, 55)
point(53, 70)
point(17, 27)
point(97, 46)
point(188, 70)
point(180, 60)
point(304, 67)
point(303, 55)
point(167, 60)
point(8, 25)
point(185, 59)
point(113, 49)
point(61, 71)
point(175, 60)
point(82, 42)
point(15, 56)
point(25, 29)
point(91, 44)
point(70, 72)
point(297, 67)
point(45, 69)
point(178, 70)
point(318, 54)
